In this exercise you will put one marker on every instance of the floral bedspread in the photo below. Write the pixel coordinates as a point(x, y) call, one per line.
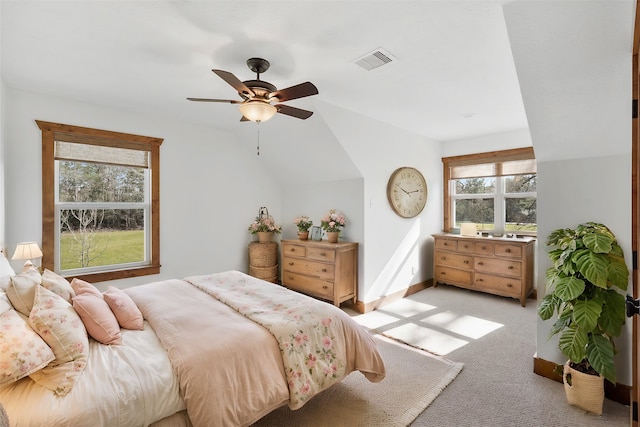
point(320, 344)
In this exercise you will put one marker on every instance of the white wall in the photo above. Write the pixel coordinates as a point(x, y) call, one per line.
point(398, 252)
point(210, 187)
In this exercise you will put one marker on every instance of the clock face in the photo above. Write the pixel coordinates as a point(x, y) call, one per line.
point(407, 192)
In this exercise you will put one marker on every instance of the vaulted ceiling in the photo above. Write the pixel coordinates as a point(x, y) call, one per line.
point(459, 68)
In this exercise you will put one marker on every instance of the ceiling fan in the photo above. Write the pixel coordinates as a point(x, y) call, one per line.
point(257, 95)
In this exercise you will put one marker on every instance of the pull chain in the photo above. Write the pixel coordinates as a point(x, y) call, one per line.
point(258, 146)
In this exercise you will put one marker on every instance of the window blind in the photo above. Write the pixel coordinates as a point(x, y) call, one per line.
point(101, 154)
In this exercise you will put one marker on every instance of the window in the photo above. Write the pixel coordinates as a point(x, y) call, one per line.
point(100, 203)
point(496, 191)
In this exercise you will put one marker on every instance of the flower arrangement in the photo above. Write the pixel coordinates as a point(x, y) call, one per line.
point(303, 223)
point(264, 223)
point(333, 221)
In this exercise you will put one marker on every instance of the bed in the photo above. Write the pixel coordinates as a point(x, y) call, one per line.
point(218, 349)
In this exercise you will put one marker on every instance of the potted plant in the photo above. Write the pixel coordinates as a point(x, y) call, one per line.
point(303, 223)
point(588, 264)
point(332, 223)
point(264, 226)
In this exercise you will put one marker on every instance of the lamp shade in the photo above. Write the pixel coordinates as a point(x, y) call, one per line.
point(257, 110)
point(468, 229)
point(27, 250)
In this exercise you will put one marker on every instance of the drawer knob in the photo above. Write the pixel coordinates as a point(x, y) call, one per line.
point(484, 248)
point(507, 250)
point(509, 285)
point(324, 270)
point(479, 280)
point(466, 261)
point(480, 263)
point(466, 246)
point(325, 287)
point(510, 267)
point(290, 263)
point(442, 273)
point(322, 253)
point(443, 258)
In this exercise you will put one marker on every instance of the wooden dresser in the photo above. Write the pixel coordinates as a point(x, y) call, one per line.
point(497, 265)
point(321, 269)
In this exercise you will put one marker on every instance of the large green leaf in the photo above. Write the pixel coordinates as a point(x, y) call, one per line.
point(600, 354)
point(614, 313)
point(573, 343)
point(598, 242)
point(563, 321)
point(586, 314)
point(617, 272)
point(592, 266)
point(569, 288)
point(547, 306)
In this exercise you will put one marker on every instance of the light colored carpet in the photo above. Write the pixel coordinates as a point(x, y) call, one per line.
point(414, 379)
point(495, 338)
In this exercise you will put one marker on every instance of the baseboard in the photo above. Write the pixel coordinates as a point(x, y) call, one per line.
point(362, 307)
point(617, 392)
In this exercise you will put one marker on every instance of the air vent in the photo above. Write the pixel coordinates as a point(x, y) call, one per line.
point(375, 59)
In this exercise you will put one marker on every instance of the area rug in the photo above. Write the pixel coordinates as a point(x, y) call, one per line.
point(414, 379)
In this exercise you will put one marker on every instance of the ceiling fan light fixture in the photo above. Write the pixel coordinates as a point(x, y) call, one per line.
point(257, 110)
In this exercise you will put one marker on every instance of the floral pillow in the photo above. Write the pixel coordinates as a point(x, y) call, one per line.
point(59, 325)
point(125, 310)
point(21, 290)
point(57, 284)
point(98, 318)
point(22, 351)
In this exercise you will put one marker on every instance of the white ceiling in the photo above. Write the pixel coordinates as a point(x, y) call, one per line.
point(453, 58)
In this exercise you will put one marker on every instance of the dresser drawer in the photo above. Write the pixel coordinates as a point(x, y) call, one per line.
point(453, 275)
point(508, 251)
point(447, 244)
point(454, 260)
point(321, 254)
point(498, 266)
point(294, 250)
point(503, 285)
point(484, 248)
point(311, 268)
point(308, 285)
point(466, 246)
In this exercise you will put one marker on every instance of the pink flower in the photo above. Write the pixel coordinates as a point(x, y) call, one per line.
point(326, 342)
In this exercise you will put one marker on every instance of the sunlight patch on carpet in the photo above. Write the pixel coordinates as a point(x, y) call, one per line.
point(425, 338)
point(462, 324)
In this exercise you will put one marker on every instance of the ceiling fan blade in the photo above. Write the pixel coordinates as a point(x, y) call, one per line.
point(294, 112)
point(228, 101)
point(228, 77)
point(294, 92)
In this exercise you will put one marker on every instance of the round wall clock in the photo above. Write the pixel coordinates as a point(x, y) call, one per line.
point(407, 192)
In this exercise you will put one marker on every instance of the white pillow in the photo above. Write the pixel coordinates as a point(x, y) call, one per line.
point(22, 351)
point(6, 271)
point(22, 288)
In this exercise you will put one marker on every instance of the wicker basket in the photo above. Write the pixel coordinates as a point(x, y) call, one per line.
point(270, 274)
point(263, 254)
point(586, 391)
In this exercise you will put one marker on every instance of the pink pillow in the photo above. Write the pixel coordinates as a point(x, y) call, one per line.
point(81, 287)
point(126, 311)
point(97, 317)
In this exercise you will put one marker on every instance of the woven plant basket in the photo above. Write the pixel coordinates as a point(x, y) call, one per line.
point(586, 391)
point(270, 274)
point(263, 254)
